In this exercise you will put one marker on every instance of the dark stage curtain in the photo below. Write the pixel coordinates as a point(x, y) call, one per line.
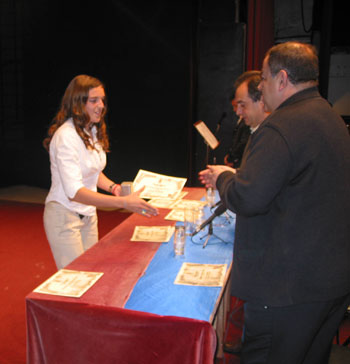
point(260, 31)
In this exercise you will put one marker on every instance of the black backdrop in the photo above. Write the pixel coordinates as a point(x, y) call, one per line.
point(165, 65)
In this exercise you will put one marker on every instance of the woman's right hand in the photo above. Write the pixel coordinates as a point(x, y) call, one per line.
point(131, 202)
point(136, 204)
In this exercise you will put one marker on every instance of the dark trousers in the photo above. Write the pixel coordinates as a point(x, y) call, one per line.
point(298, 334)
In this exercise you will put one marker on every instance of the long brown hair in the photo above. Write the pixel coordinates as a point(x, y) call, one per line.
point(73, 106)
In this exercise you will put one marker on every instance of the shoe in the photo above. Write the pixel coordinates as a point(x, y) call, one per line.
point(234, 347)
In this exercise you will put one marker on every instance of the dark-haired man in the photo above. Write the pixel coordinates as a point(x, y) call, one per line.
point(292, 200)
point(248, 105)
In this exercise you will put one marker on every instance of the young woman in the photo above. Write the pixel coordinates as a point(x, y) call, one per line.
point(77, 143)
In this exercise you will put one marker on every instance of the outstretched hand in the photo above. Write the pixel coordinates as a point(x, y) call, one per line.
point(209, 176)
point(136, 204)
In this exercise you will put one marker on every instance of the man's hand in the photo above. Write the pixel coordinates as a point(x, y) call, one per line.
point(209, 176)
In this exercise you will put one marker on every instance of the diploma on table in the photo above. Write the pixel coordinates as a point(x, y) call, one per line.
point(70, 283)
point(188, 204)
point(155, 234)
point(178, 209)
point(207, 135)
point(163, 203)
point(176, 215)
point(158, 185)
point(166, 203)
point(208, 275)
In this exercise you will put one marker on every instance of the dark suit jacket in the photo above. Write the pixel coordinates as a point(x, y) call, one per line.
point(292, 199)
point(240, 138)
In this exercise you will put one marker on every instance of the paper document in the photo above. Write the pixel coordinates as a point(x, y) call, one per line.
point(178, 209)
point(70, 283)
point(188, 204)
point(155, 234)
point(166, 203)
point(158, 185)
point(208, 136)
point(176, 215)
point(208, 275)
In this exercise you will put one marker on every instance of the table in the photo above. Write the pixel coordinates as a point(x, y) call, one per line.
point(133, 314)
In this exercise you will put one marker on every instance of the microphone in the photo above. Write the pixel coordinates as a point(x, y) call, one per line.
point(217, 204)
point(218, 211)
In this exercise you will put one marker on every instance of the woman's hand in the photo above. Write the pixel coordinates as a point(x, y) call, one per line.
point(131, 202)
point(136, 204)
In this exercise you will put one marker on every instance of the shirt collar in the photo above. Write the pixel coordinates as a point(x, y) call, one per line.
point(252, 130)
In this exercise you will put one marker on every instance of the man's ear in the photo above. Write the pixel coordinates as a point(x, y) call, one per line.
point(282, 79)
point(261, 102)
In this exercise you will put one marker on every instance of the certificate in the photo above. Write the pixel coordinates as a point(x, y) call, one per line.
point(155, 234)
point(166, 203)
point(208, 275)
point(176, 215)
point(158, 185)
point(188, 204)
point(70, 283)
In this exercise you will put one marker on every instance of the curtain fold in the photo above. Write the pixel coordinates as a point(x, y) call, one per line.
point(260, 31)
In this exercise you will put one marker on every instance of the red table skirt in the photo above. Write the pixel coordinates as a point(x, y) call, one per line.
point(57, 332)
point(97, 329)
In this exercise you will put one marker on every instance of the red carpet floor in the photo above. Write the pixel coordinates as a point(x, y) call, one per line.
point(25, 262)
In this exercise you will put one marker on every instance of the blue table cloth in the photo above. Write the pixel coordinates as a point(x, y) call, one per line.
point(156, 292)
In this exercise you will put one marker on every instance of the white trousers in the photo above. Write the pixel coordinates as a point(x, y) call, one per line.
point(69, 234)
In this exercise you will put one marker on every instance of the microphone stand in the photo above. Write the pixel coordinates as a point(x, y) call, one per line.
point(218, 126)
point(207, 156)
point(210, 233)
point(227, 218)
